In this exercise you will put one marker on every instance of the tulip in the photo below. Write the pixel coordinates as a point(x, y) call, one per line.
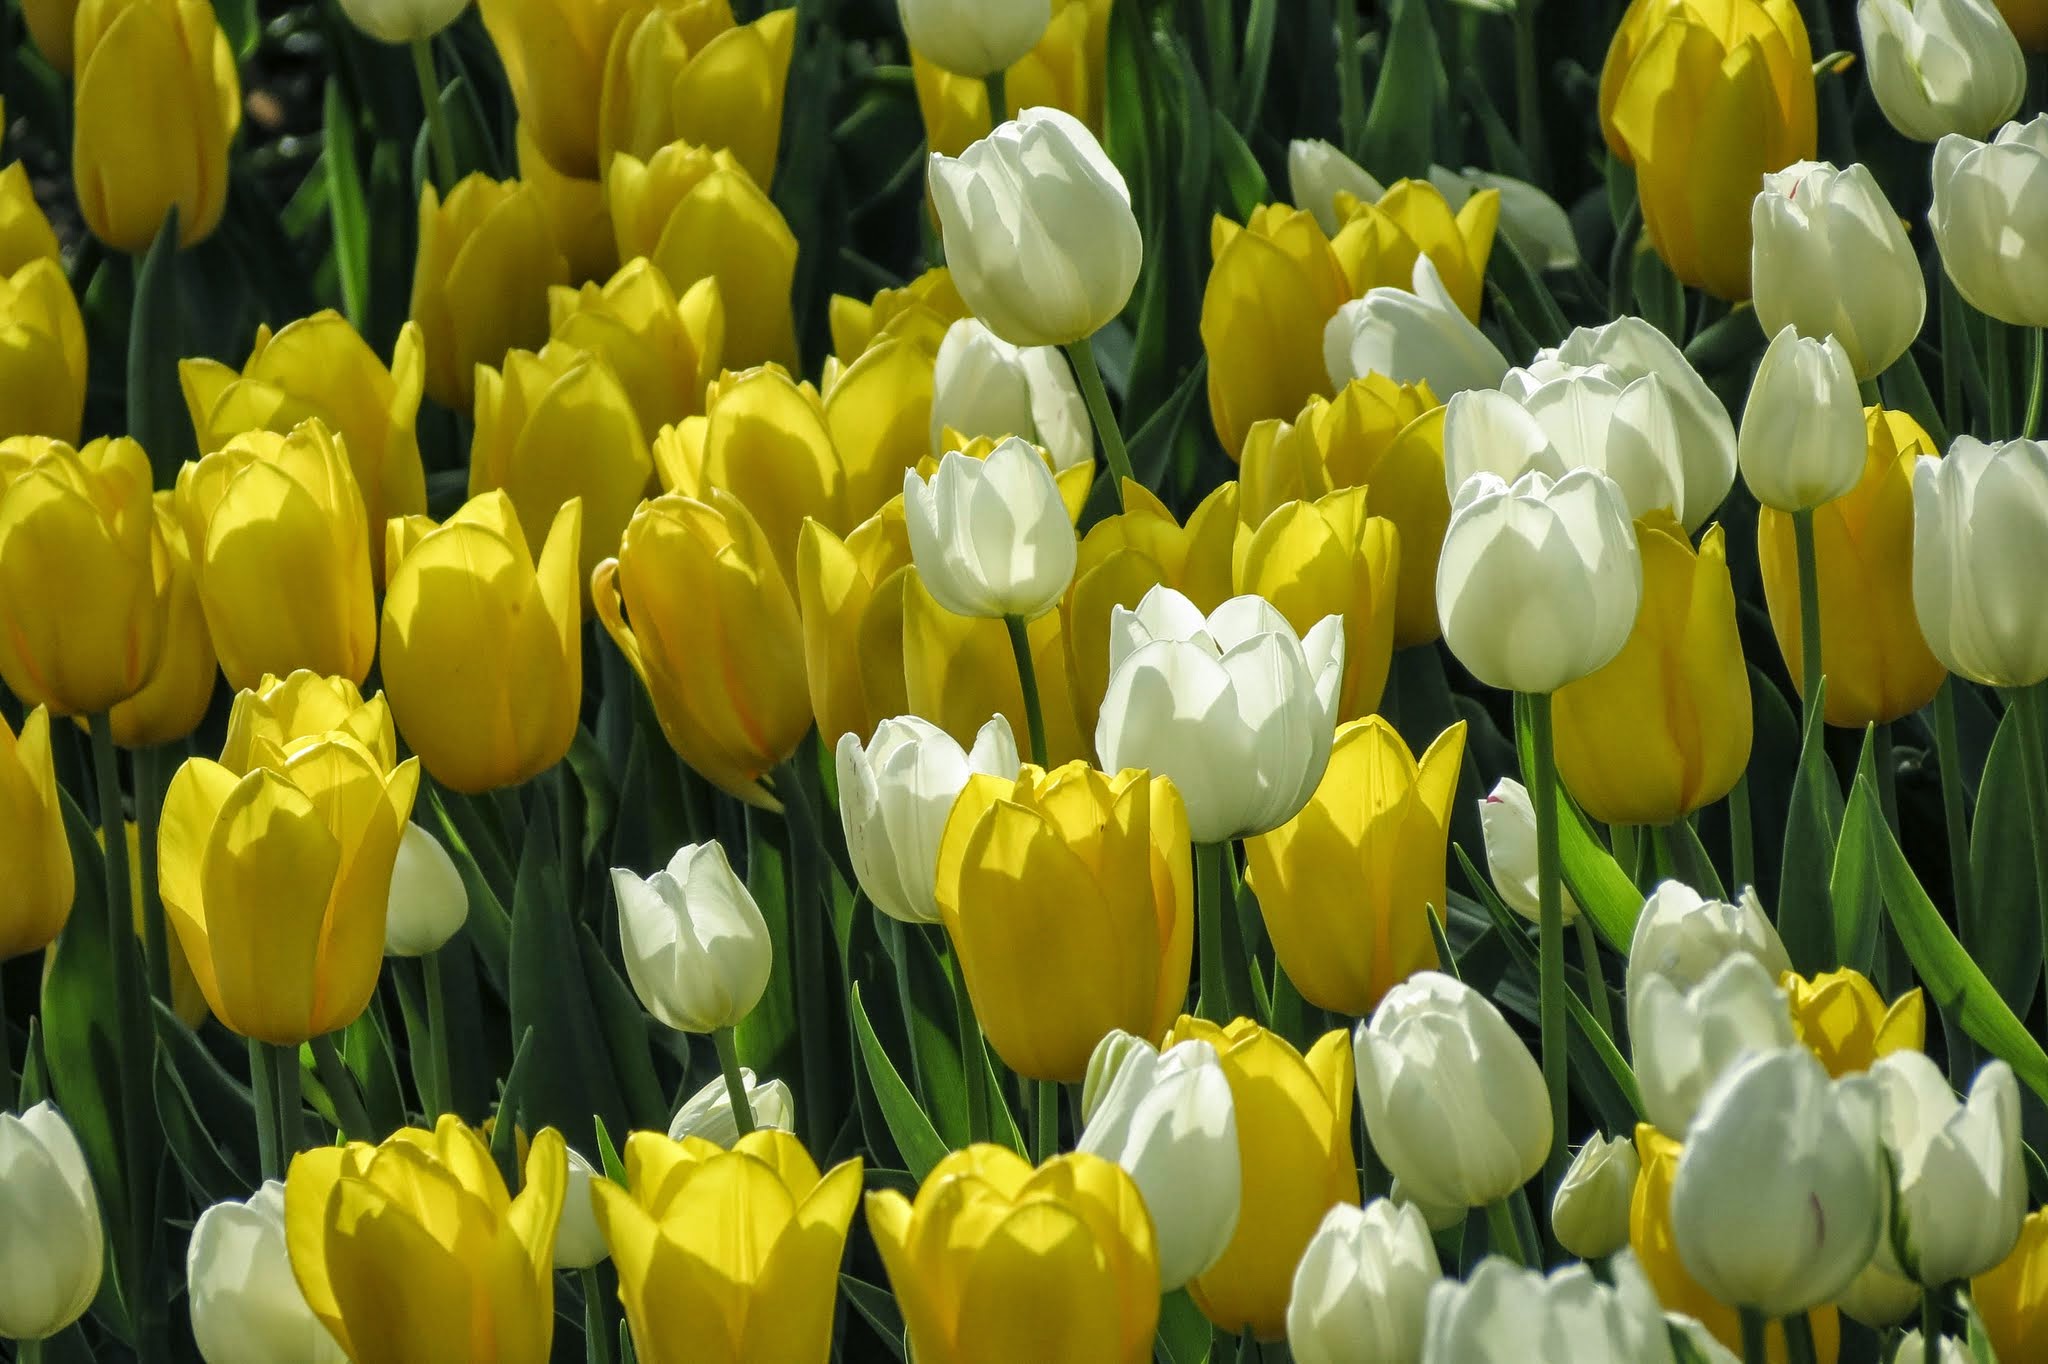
point(1780, 1195)
point(1879, 1298)
point(554, 55)
point(984, 386)
point(185, 999)
point(990, 537)
point(1273, 289)
point(25, 231)
point(1686, 1038)
point(384, 1239)
point(879, 412)
point(578, 215)
point(1507, 1313)
point(1039, 233)
point(579, 1242)
point(1067, 69)
point(246, 1307)
point(1372, 839)
point(1507, 821)
point(1987, 196)
point(959, 670)
point(2012, 1298)
point(50, 1236)
point(1682, 937)
point(1960, 1182)
point(1381, 241)
point(985, 1225)
point(403, 21)
point(919, 312)
point(49, 24)
point(1942, 66)
point(1317, 173)
point(280, 713)
point(974, 37)
point(428, 903)
point(80, 623)
point(1802, 433)
point(1840, 1018)
point(276, 526)
point(664, 350)
point(1535, 224)
point(708, 1114)
point(1590, 1210)
point(894, 799)
point(695, 603)
point(1978, 540)
point(1563, 417)
point(687, 73)
point(852, 595)
point(1948, 1350)
point(697, 949)
point(42, 352)
point(35, 855)
point(1539, 582)
point(1362, 1287)
point(1414, 335)
point(484, 234)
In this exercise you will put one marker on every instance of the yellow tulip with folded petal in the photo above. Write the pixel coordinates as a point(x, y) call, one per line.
point(2012, 1297)
point(960, 670)
point(682, 71)
point(919, 311)
point(175, 698)
point(1842, 1019)
point(999, 1263)
point(554, 56)
point(1274, 285)
point(413, 1251)
point(1380, 241)
point(25, 231)
point(279, 712)
point(727, 1256)
point(479, 285)
point(35, 855)
point(850, 592)
point(42, 353)
point(879, 410)
point(665, 350)
point(578, 215)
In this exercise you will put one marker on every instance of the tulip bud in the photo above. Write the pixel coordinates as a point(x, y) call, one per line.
point(429, 903)
point(50, 1258)
point(1682, 937)
point(1801, 443)
point(852, 596)
point(1987, 198)
point(1684, 1039)
point(1067, 69)
point(687, 73)
point(42, 383)
point(33, 847)
point(1535, 224)
point(991, 537)
point(1980, 534)
point(895, 796)
point(1941, 66)
point(579, 1243)
point(485, 233)
point(708, 1114)
point(1960, 1180)
point(984, 386)
point(1879, 1298)
point(246, 1306)
point(1912, 1347)
point(1438, 1216)
point(1274, 286)
point(25, 231)
point(1841, 1018)
point(1561, 417)
point(1505, 1314)
point(281, 712)
point(974, 37)
point(697, 949)
point(554, 57)
point(403, 21)
point(1049, 250)
point(663, 349)
point(578, 215)
point(1590, 1211)
point(1362, 1288)
point(1830, 258)
point(2012, 1298)
point(1317, 173)
point(1507, 821)
point(1415, 335)
point(176, 697)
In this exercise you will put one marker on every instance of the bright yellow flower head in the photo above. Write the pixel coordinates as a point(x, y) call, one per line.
point(851, 595)
point(919, 311)
point(1294, 1146)
point(280, 712)
point(486, 234)
point(998, 1263)
point(175, 698)
point(1274, 285)
point(1380, 242)
point(482, 649)
point(727, 1256)
point(683, 72)
point(1877, 663)
point(664, 350)
point(42, 350)
point(34, 852)
point(25, 232)
point(412, 1252)
point(554, 54)
point(1069, 898)
point(879, 410)
point(1066, 71)
point(1844, 1021)
point(2012, 1297)
point(960, 670)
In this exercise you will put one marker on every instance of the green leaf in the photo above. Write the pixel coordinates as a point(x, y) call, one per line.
point(878, 1308)
point(1728, 346)
point(1244, 184)
point(608, 1155)
point(207, 1171)
point(625, 1026)
point(2002, 928)
point(351, 219)
point(1805, 914)
point(219, 1102)
point(1152, 446)
point(1604, 891)
point(912, 1131)
point(1259, 24)
point(156, 402)
point(1399, 140)
point(1852, 887)
point(600, 797)
point(505, 1122)
point(1183, 1331)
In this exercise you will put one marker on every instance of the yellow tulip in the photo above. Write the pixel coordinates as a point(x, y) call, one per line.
point(482, 652)
point(281, 712)
point(683, 72)
point(556, 425)
point(1665, 727)
point(851, 595)
point(175, 698)
point(279, 541)
point(35, 856)
point(960, 670)
point(275, 881)
point(1275, 285)
point(664, 350)
point(1294, 1146)
point(578, 215)
point(80, 621)
point(698, 607)
point(49, 26)
point(1877, 664)
point(488, 234)
point(697, 214)
point(727, 1256)
point(1844, 1021)
point(413, 1252)
point(554, 55)
point(998, 1263)
point(1067, 71)
point(1069, 898)
point(320, 367)
point(2012, 1297)
point(879, 410)
point(25, 233)
point(2028, 20)
point(1380, 242)
point(157, 103)
point(1706, 97)
point(1329, 558)
point(1656, 1251)
point(1346, 885)
point(920, 311)
point(42, 353)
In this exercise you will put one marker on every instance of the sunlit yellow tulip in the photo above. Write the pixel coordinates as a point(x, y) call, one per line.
point(35, 856)
point(879, 410)
point(1330, 558)
point(683, 72)
point(664, 350)
point(2013, 1297)
point(1381, 241)
point(412, 1252)
point(487, 234)
point(921, 310)
point(25, 231)
point(554, 55)
point(960, 670)
point(1274, 285)
point(1067, 70)
point(1069, 898)
point(42, 353)
point(1844, 1021)
point(280, 712)
point(577, 212)
point(175, 698)
point(997, 1263)
point(851, 595)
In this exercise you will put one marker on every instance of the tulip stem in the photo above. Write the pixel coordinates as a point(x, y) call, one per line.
point(1500, 1226)
point(290, 1107)
point(998, 98)
point(440, 1072)
point(149, 810)
point(1754, 1348)
point(1810, 673)
point(342, 1088)
point(263, 1086)
point(2029, 701)
point(973, 1049)
point(735, 1087)
point(1220, 1000)
point(597, 1340)
point(1529, 120)
point(2037, 356)
point(437, 122)
point(1596, 976)
point(1027, 680)
point(1550, 946)
point(1048, 1106)
point(1741, 836)
point(1798, 1329)
point(1082, 353)
point(1949, 757)
point(1930, 1323)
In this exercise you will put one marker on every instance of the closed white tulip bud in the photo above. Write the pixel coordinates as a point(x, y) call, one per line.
point(1779, 1200)
point(1453, 1101)
point(1554, 418)
point(1828, 257)
point(894, 797)
point(1317, 172)
point(990, 537)
point(428, 903)
point(1507, 820)
point(246, 1306)
point(1980, 555)
point(708, 1113)
point(1414, 335)
point(1684, 1040)
point(1535, 224)
point(984, 386)
point(1236, 709)
point(1505, 1314)
point(1802, 439)
point(1038, 229)
point(1941, 66)
point(974, 38)
point(579, 1244)
point(1990, 200)
point(1361, 1290)
point(697, 950)
point(1912, 1349)
point(1168, 1119)
point(1960, 1178)
point(1682, 936)
point(49, 1226)
point(1539, 581)
point(402, 21)
point(1439, 1216)
point(1590, 1212)
point(1879, 1298)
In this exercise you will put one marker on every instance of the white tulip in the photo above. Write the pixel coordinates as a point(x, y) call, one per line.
point(1960, 1176)
point(1535, 224)
point(974, 38)
point(1038, 229)
point(402, 21)
point(246, 1306)
point(1236, 709)
point(1317, 173)
point(1779, 1200)
point(697, 950)
point(984, 386)
point(579, 1242)
point(1507, 821)
point(1684, 1040)
point(1941, 66)
point(1828, 257)
point(1912, 1349)
point(49, 1226)
point(1505, 1314)
point(1168, 1119)
point(1990, 201)
point(1681, 936)
point(1361, 1289)
point(1879, 1298)
point(894, 797)
point(1590, 1211)
point(1555, 417)
point(1412, 335)
point(1980, 555)
point(1539, 582)
point(1802, 438)
point(1453, 1102)
point(428, 903)
point(708, 1114)
point(1439, 1216)
point(990, 537)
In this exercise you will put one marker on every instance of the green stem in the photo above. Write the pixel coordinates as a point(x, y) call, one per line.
point(1741, 835)
point(1950, 759)
point(1550, 898)
point(807, 913)
point(973, 1047)
point(597, 1340)
point(442, 1100)
point(149, 810)
point(263, 1085)
point(437, 123)
point(735, 1086)
point(1596, 976)
point(1754, 1348)
point(1798, 1329)
point(998, 99)
point(341, 1087)
point(1529, 120)
point(28, 1352)
point(2037, 343)
point(1048, 1144)
point(1027, 680)
point(1212, 893)
point(1082, 353)
point(2030, 702)
point(1930, 1315)
point(1500, 1225)
point(1622, 839)
point(1350, 79)
point(1810, 666)
point(291, 1126)
point(1998, 374)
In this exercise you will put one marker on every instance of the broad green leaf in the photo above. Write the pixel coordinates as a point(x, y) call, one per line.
point(351, 220)
point(1603, 890)
point(2002, 928)
point(1852, 888)
point(878, 1308)
point(156, 403)
point(1399, 138)
point(1805, 914)
point(920, 1145)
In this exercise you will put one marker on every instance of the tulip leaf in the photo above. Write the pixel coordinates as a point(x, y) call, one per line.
point(1852, 886)
point(1599, 884)
point(912, 1131)
point(199, 1159)
point(1408, 101)
point(600, 797)
point(1259, 24)
point(505, 1122)
point(878, 1309)
point(1184, 1333)
point(156, 402)
point(1151, 447)
point(1533, 301)
point(351, 221)
point(1727, 346)
point(1805, 916)
point(1243, 183)
point(220, 1103)
point(625, 1031)
point(2001, 924)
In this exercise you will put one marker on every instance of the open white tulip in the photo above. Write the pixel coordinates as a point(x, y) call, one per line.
point(1980, 555)
point(1960, 1175)
point(708, 1112)
point(984, 386)
point(1685, 1039)
point(1682, 936)
point(1590, 1211)
point(1507, 821)
point(579, 1242)
point(697, 950)
point(246, 1306)
point(1554, 418)
point(1505, 1314)
point(894, 796)
point(990, 537)
point(1361, 1290)
point(1414, 335)
point(1318, 172)
point(974, 37)
point(1941, 66)
point(428, 904)
point(1802, 440)
point(1990, 199)
point(50, 1240)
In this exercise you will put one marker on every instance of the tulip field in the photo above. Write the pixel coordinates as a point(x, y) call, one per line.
point(1023, 681)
